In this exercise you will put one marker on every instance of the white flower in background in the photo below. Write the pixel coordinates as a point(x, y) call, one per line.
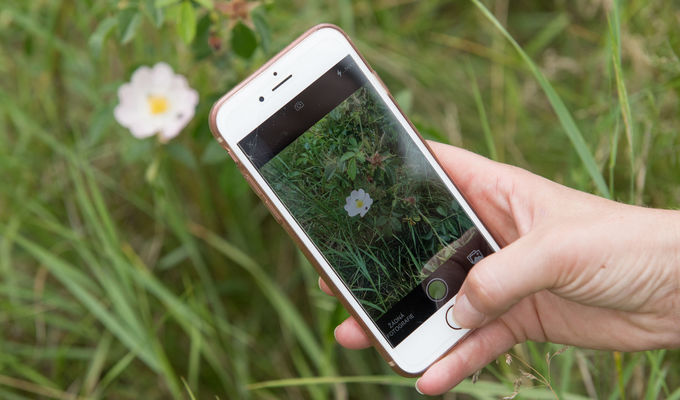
point(358, 202)
point(155, 101)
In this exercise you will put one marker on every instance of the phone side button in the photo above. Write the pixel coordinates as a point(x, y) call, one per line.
point(449, 319)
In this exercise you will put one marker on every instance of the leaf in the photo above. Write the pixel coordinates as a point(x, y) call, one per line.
point(346, 156)
point(262, 29)
point(243, 40)
point(329, 170)
point(165, 3)
point(201, 45)
point(206, 3)
point(100, 123)
point(154, 12)
point(99, 35)
point(182, 154)
point(396, 225)
point(151, 172)
point(128, 23)
point(352, 169)
point(213, 154)
point(186, 22)
point(135, 150)
point(441, 211)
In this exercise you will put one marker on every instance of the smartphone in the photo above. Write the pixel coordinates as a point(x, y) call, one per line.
point(322, 142)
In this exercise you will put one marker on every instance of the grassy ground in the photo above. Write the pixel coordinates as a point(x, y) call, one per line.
point(132, 269)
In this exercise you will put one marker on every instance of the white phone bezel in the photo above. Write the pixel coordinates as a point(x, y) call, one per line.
point(242, 112)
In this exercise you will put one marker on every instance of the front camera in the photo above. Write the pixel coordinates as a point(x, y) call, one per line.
point(261, 99)
point(275, 73)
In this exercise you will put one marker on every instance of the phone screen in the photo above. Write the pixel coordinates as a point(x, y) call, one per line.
point(369, 200)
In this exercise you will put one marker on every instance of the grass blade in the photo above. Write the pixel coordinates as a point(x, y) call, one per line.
point(480, 390)
point(289, 314)
point(563, 114)
point(488, 136)
point(614, 20)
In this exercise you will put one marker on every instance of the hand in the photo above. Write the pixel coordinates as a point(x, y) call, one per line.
point(574, 269)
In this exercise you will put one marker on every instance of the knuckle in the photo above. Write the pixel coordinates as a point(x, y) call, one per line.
point(481, 288)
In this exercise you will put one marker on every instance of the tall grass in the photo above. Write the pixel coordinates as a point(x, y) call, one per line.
point(133, 270)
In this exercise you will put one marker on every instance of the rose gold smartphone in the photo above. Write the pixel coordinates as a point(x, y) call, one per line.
point(322, 142)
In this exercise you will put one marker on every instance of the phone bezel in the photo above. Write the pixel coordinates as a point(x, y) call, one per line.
point(240, 111)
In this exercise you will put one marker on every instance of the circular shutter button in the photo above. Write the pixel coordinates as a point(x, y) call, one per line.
point(436, 289)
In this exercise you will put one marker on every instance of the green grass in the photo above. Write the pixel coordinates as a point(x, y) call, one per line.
point(133, 270)
point(357, 147)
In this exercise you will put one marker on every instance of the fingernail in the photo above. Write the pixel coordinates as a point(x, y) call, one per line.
point(418, 390)
point(465, 314)
point(335, 332)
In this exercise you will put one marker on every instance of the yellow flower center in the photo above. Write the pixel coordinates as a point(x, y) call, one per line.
point(157, 104)
point(360, 203)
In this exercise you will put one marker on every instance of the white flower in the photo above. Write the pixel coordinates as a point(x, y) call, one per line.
point(358, 202)
point(155, 101)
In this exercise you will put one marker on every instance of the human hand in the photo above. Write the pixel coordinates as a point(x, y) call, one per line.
point(574, 269)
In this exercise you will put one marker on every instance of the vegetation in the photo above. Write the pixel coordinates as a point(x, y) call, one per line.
point(380, 253)
point(133, 269)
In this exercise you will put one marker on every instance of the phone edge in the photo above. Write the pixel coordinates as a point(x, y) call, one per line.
point(289, 230)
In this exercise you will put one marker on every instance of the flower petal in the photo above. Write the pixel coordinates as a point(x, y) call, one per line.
point(162, 78)
point(141, 79)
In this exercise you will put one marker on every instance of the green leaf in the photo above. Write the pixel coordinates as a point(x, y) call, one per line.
point(201, 45)
point(182, 154)
point(154, 12)
point(329, 170)
point(243, 41)
point(99, 35)
point(186, 22)
point(352, 169)
point(213, 154)
point(136, 150)
point(206, 3)
point(165, 3)
point(128, 24)
point(347, 156)
point(262, 29)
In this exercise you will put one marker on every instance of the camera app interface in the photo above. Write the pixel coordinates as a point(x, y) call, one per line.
point(368, 199)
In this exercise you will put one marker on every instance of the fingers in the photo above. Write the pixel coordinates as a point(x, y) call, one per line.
point(486, 185)
point(324, 287)
point(350, 335)
point(496, 283)
point(473, 353)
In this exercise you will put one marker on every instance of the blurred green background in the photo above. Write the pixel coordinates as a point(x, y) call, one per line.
point(132, 269)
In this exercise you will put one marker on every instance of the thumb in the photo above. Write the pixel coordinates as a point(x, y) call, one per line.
point(500, 280)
